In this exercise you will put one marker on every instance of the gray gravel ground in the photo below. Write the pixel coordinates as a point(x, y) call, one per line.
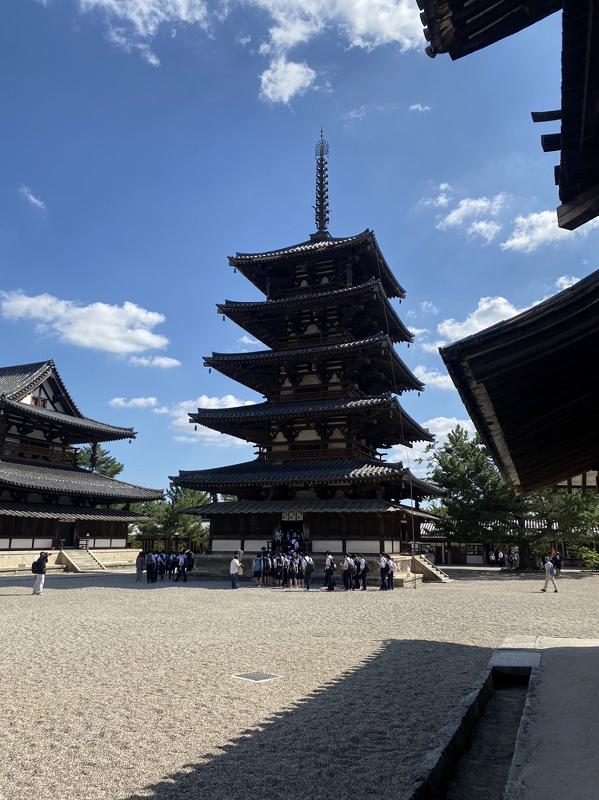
point(113, 689)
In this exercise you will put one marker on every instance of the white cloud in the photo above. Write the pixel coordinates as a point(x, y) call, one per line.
point(418, 331)
point(429, 308)
point(113, 329)
point(540, 228)
point(133, 402)
point(134, 24)
point(565, 281)
point(247, 341)
point(420, 108)
point(442, 199)
point(285, 79)
point(161, 362)
point(355, 114)
point(432, 347)
point(26, 192)
point(433, 378)
point(472, 208)
point(485, 228)
point(185, 431)
point(488, 311)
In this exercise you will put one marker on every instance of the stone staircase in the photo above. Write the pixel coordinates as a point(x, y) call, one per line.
point(82, 561)
point(429, 571)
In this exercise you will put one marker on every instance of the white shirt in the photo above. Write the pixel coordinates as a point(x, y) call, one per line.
point(382, 562)
point(548, 567)
point(392, 565)
point(234, 566)
point(328, 563)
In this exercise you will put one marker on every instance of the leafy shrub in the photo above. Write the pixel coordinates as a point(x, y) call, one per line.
point(589, 558)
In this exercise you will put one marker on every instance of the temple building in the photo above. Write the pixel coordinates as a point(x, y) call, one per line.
point(330, 380)
point(46, 499)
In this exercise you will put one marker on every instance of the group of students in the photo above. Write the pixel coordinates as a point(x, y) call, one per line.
point(290, 570)
point(161, 565)
point(294, 570)
point(355, 569)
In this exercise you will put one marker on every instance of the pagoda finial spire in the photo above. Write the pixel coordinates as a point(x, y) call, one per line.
point(321, 209)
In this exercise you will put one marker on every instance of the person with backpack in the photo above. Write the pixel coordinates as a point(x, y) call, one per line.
point(38, 568)
point(346, 572)
point(363, 573)
point(308, 570)
point(150, 567)
point(329, 572)
point(384, 569)
point(549, 575)
point(266, 567)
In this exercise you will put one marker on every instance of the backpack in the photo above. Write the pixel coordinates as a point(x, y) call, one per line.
point(552, 571)
point(333, 565)
point(35, 567)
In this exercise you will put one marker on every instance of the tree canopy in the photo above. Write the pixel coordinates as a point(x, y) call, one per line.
point(105, 463)
point(481, 506)
point(166, 520)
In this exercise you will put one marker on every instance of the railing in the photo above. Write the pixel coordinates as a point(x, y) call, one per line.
point(320, 452)
point(65, 456)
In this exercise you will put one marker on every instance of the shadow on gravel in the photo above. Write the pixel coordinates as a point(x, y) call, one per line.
point(361, 735)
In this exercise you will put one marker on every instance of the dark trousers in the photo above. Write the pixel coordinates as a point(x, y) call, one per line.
point(346, 579)
point(384, 579)
point(181, 571)
point(390, 581)
point(363, 577)
point(308, 579)
point(329, 580)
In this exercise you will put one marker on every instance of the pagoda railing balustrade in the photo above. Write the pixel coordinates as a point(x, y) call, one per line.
point(64, 456)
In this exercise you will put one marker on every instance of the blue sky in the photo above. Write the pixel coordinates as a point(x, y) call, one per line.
point(144, 141)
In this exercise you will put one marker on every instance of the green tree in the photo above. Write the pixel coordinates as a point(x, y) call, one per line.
point(105, 463)
point(478, 506)
point(571, 517)
point(166, 521)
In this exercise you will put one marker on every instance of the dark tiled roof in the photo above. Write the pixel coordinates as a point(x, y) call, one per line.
point(323, 246)
point(90, 428)
point(321, 299)
point(13, 380)
point(69, 481)
point(19, 380)
point(402, 423)
point(333, 506)
point(322, 470)
point(399, 375)
point(68, 513)
point(274, 410)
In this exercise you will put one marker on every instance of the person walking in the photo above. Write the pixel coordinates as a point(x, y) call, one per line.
point(140, 563)
point(549, 575)
point(258, 569)
point(234, 568)
point(39, 570)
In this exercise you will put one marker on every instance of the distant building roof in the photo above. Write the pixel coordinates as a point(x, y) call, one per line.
point(332, 506)
point(69, 513)
point(70, 481)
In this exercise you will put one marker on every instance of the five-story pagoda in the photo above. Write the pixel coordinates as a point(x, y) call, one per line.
point(330, 379)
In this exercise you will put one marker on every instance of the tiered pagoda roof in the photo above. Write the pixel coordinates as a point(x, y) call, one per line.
point(330, 381)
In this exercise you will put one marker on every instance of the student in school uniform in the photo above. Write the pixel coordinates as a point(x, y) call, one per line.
point(308, 570)
point(384, 570)
point(391, 574)
point(329, 571)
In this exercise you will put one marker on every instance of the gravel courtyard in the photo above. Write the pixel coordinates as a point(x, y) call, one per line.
point(113, 689)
